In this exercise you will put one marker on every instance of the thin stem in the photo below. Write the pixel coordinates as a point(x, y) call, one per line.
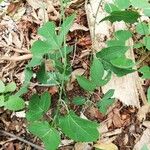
point(21, 139)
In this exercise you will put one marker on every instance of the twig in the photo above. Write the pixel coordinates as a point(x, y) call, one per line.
point(18, 58)
point(21, 139)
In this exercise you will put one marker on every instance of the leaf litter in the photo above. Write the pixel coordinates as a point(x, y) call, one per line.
point(19, 24)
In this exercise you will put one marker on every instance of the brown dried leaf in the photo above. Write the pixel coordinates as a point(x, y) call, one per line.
point(106, 146)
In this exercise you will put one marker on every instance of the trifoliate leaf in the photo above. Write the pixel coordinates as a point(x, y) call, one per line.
point(14, 103)
point(122, 62)
point(148, 95)
point(110, 8)
point(65, 27)
point(86, 84)
point(145, 70)
point(147, 42)
point(122, 4)
point(2, 87)
point(126, 16)
point(46, 133)
point(96, 71)
point(79, 100)
point(142, 28)
point(79, 129)
point(38, 106)
point(10, 87)
point(111, 53)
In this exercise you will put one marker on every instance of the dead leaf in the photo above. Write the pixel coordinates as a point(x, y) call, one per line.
point(146, 124)
point(145, 139)
point(82, 146)
point(19, 13)
point(76, 26)
point(53, 90)
point(75, 73)
point(10, 146)
point(36, 3)
point(143, 111)
point(12, 8)
point(106, 146)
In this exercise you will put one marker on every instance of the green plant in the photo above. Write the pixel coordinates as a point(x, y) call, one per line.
point(52, 48)
point(9, 101)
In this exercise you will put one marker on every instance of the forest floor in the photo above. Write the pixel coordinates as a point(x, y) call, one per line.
point(19, 22)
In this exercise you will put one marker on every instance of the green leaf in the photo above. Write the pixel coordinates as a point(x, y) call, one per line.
point(78, 129)
point(79, 100)
point(65, 27)
point(38, 106)
point(86, 84)
point(10, 87)
point(28, 75)
point(122, 4)
point(110, 8)
point(147, 11)
point(118, 71)
point(144, 147)
point(140, 3)
point(42, 75)
point(108, 94)
point(142, 28)
point(35, 61)
point(122, 62)
point(112, 52)
point(46, 133)
point(14, 103)
point(147, 42)
point(148, 95)
point(145, 70)
point(96, 71)
point(126, 16)
point(2, 87)
point(138, 45)
point(48, 31)
point(105, 79)
point(40, 48)
point(123, 35)
point(112, 43)
point(2, 99)
point(106, 102)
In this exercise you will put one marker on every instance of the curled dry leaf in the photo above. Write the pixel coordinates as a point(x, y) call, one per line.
point(77, 26)
point(75, 73)
point(106, 146)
